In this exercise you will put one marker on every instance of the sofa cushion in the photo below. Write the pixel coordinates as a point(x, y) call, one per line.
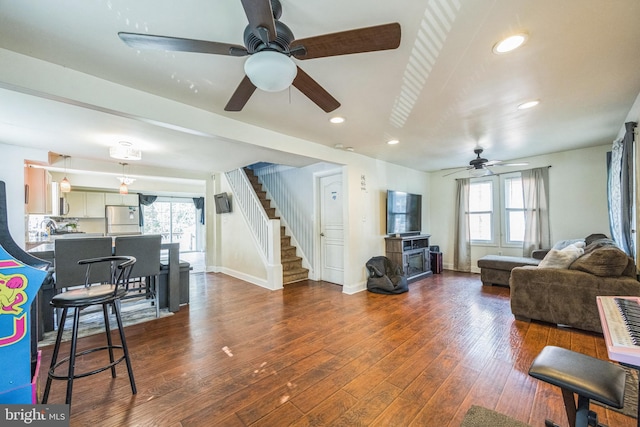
point(561, 258)
point(607, 261)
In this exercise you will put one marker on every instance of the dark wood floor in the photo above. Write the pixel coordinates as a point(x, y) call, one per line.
point(241, 355)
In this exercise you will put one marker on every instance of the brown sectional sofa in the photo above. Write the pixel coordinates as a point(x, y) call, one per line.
point(567, 296)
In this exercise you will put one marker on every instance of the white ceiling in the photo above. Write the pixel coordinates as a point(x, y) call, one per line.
point(440, 93)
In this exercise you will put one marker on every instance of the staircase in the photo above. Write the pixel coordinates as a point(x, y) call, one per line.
point(292, 270)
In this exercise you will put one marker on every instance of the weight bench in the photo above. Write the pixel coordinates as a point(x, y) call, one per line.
point(586, 376)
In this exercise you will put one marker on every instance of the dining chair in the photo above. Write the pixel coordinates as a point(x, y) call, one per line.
point(146, 249)
point(67, 271)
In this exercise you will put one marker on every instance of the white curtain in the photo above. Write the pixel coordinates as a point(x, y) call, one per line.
point(535, 188)
point(462, 248)
point(620, 190)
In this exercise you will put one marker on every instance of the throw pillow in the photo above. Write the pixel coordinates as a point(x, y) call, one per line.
point(561, 244)
point(607, 261)
point(593, 237)
point(600, 243)
point(561, 258)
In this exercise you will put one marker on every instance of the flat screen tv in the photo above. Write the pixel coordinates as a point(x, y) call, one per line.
point(223, 204)
point(404, 213)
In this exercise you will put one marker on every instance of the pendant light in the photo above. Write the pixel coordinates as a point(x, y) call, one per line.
point(124, 181)
point(65, 185)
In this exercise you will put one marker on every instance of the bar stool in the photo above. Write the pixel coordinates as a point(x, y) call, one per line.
point(107, 294)
point(586, 376)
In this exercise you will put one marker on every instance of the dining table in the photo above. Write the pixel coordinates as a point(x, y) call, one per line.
point(170, 256)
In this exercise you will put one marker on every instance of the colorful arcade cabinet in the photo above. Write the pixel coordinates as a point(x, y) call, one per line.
point(21, 276)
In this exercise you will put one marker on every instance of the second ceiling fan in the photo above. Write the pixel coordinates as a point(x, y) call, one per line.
point(268, 40)
point(480, 166)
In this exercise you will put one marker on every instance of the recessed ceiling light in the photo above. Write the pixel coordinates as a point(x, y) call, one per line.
point(510, 43)
point(528, 104)
point(393, 142)
point(336, 119)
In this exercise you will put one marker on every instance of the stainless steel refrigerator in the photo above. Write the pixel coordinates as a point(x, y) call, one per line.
point(122, 220)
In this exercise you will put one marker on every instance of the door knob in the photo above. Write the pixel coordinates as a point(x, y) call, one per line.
point(321, 234)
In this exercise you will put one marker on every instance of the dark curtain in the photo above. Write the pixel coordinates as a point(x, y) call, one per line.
point(144, 200)
point(199, 202)
point(621, 189)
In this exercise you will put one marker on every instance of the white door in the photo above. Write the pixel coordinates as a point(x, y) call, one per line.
point(332, 229)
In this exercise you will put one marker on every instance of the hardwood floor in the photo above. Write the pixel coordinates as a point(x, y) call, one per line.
point(310, 355)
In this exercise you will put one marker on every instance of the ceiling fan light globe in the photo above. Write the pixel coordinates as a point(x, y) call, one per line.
point(477, 173)
point(270, 71)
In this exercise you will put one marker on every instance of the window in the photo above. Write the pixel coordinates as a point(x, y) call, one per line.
point(496, 210)
point(514, 211)
point(481, 211)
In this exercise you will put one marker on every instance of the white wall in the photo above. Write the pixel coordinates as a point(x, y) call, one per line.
point(577, 200)
point(239, 256)
point(366, 218)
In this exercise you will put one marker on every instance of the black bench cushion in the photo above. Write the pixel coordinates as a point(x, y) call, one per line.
point(506, 263)
point(587, 376)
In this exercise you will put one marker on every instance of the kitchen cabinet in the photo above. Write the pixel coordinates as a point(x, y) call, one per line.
point(116, 199)
point(85, 204)
point(37, 191)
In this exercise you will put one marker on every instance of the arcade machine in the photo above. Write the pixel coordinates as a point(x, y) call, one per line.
point(21, 276)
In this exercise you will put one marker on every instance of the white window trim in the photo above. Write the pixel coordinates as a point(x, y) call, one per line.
point(495, 226)
point(499, 214)
point(503, 211)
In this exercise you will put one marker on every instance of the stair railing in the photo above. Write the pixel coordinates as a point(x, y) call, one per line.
point(265, 231)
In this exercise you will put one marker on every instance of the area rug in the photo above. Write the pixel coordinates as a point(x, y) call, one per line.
point(630, 407)
point(477, 416)
point(92, 321)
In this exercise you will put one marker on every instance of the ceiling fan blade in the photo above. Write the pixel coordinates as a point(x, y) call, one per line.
point(240, 97)
point(458, 170)
point(509, 164)
point(148, 41)
point(493, 163)
point(369, 39)
point(312, 90)
point(260, 16)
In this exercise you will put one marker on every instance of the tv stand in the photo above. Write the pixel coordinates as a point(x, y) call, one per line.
point(412, 253)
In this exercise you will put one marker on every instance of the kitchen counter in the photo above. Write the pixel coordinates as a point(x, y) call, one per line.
point(37, 244)
point(41, 247)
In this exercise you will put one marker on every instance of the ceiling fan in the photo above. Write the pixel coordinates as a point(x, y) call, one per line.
point(480, 166)
point(271, 45)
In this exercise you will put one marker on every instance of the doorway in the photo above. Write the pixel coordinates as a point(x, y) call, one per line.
point(175, 218)
point(331, 224)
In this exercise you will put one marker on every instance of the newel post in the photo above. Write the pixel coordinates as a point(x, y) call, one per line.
point(274, 265)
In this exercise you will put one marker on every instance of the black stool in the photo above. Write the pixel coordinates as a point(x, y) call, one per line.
point(102, 294)
point(586, 376)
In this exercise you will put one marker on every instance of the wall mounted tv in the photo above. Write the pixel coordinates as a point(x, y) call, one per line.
point(404, 213)
point(223, 204)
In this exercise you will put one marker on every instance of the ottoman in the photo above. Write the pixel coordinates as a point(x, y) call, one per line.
point(496, 269)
